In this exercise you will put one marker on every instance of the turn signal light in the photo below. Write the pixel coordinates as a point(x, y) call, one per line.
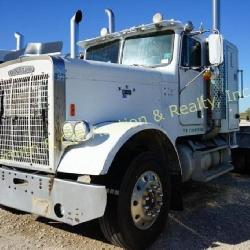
point(207, 75)
point(72, 109)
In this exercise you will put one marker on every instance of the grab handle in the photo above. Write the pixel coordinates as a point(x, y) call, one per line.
point(241, 72)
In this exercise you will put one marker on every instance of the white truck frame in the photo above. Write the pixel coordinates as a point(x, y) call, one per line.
point(82, 139)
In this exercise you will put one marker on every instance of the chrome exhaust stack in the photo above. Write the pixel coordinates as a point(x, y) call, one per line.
point(216, 89)
point(19, 41)
point(74, 33)
point(111, 18)
point(216, 16)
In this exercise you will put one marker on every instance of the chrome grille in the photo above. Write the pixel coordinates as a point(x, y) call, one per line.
point(24, 120)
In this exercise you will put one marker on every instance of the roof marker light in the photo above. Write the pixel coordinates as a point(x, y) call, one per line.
point(157, 18)
point(189, 27)
point(104, 32)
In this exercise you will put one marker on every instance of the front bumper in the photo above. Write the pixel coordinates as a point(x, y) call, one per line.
point(65, 201)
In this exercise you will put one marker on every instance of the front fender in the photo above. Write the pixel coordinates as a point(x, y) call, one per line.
point(95, 156)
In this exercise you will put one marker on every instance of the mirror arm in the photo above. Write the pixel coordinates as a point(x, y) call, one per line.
point(193, 80)
point(198, 68)
point(194, 33)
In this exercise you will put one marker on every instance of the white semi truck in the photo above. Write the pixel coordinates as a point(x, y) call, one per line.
point(113, 132)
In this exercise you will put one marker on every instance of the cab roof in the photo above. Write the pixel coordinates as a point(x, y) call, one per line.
point(133, 31)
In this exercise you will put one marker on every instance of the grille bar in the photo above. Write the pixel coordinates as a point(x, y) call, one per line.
point(24, 120)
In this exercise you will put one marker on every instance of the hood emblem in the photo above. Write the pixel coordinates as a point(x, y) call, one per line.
point(21, 71)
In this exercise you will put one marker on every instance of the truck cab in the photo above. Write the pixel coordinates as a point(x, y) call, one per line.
point(180, 54)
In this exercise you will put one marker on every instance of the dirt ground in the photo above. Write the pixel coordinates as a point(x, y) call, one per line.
point(216, 215)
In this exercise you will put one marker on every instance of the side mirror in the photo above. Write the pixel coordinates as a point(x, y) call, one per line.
point(216, 49)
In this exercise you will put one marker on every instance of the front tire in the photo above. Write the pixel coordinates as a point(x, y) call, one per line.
point(135, 218)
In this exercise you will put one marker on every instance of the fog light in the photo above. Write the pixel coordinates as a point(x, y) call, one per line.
point(81, 131)
point(68, 131)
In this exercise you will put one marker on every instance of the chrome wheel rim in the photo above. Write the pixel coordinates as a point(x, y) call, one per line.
point(146, 200)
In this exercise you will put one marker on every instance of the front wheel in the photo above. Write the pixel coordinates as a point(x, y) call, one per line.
point(136, 217)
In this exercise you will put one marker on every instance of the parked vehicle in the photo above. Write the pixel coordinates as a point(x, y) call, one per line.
point(240, 154)
point(113, 133)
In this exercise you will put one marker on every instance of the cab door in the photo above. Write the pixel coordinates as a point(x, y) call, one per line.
point(191, 102)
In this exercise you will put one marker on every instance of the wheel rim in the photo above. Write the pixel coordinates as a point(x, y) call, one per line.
point(146, 200)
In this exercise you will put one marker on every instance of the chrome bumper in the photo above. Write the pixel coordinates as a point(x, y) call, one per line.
point(66, 201)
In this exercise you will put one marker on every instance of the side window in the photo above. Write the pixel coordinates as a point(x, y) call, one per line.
point(104, 53)
point(191, 52)
point(207, 63)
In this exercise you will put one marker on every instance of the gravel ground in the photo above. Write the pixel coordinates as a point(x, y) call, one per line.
point(216, 215)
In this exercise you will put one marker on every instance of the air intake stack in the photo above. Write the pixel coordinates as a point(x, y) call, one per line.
point(74, 33)
point(19, 41)
point(111, 18)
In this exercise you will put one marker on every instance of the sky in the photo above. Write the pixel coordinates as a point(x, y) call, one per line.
point(48, 20)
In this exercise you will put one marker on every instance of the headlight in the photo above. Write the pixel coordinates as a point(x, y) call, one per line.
point(81, 131)
point(68, 131)
point(74, 131)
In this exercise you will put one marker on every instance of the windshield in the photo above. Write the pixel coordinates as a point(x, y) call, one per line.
point(104, 52)
point(150, 50)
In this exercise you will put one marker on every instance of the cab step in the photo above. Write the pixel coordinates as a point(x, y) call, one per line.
point(208, 175)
